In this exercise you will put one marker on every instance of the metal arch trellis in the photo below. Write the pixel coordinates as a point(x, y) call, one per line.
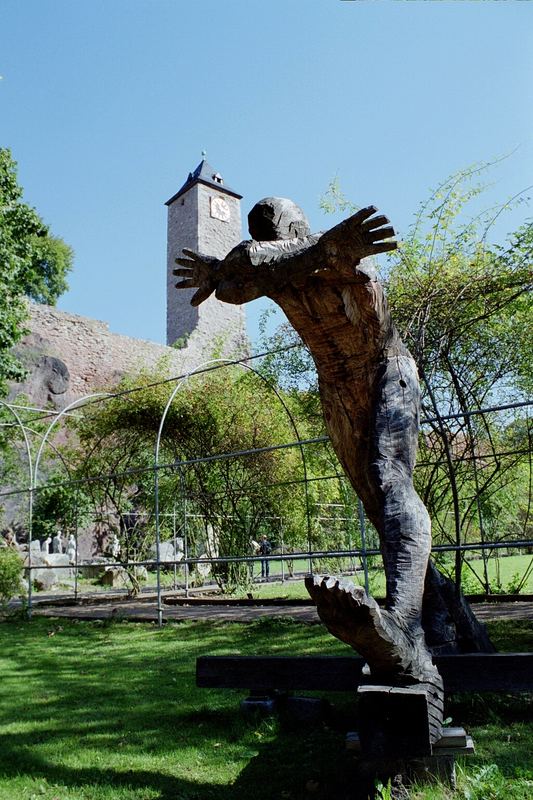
point(75, 404)
point(222, 362)
point(79, 402)
point(215, 364)
point(83, 465)
point(12, 408)
point(22, 427)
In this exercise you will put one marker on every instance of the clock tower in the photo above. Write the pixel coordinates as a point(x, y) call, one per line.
point(204, 216)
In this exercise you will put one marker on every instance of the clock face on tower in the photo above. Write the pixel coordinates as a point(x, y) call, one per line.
point(219, 208)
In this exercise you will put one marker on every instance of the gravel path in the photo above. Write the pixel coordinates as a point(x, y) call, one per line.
point(147, 611)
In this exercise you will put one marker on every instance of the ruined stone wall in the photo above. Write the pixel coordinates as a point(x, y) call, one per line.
point(68, 356)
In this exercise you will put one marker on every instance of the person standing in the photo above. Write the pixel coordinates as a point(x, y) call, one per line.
point(265, 549)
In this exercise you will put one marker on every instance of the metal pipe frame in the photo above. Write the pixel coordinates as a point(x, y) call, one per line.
point(206, 367)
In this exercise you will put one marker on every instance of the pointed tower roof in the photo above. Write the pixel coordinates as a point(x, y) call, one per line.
point(204, 173)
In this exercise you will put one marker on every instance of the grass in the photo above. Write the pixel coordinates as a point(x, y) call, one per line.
point(505, 568)
point(110, 711)
point(502, 571)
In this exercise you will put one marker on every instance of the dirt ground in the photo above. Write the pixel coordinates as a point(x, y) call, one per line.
point(145, 610)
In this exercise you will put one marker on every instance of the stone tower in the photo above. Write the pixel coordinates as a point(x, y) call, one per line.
point(204, 216)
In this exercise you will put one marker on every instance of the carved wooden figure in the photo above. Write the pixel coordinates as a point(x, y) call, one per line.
point(327, 286)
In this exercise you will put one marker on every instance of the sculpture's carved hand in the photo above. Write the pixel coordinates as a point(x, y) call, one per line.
point(197, 271)
point(364, 235)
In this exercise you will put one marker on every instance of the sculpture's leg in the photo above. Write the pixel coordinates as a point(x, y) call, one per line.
point(405, 528)
point(448, 621)
point(392, 640)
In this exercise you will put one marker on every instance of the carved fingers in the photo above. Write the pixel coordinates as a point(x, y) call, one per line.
point(363, 214)
point(372, 234)
point(375, 222)
point(377, 233)
point(197, 271)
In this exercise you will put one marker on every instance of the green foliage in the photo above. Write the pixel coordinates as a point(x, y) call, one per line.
point(10, 575)
point(181, 342)
point(221, 504)
point(331, 500)
point(384, 791)
point(60, 504)
point(463, 305)
point(486, 783)
point(334, 199)
point(34, 264)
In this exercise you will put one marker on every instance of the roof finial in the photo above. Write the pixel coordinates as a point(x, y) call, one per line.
point(204, 154)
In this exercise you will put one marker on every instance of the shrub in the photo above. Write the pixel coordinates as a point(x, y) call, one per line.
point(11, 566)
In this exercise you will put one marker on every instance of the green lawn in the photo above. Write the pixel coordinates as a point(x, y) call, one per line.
point(506, 568)
point(502, 571)
point(96, 711)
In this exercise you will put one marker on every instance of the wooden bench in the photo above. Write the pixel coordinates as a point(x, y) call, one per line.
point(472, 672)
point(271, 679)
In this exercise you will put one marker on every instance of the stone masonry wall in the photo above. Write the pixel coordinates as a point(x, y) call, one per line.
point(182, 231)
point(190, 225)
point(69, 356)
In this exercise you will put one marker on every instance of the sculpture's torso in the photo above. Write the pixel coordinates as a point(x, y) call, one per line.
point(351, 337)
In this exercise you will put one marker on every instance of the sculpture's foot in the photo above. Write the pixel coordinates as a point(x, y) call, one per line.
point(389, 649)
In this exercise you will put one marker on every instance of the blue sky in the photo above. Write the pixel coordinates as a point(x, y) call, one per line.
point(107, 106)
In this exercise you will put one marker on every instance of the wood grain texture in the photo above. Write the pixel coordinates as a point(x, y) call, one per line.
point(469, 672)
point(370, 396)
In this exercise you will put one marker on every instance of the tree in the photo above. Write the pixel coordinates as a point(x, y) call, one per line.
point(227, 502)
point(61, 505)
point(34, 264)
point(464, 308)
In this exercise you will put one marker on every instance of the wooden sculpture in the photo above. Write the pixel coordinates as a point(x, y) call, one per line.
point(328, 287)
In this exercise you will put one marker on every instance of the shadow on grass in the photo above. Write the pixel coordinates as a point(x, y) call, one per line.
point(167, 787)
point(116, 707)
point(113, 711)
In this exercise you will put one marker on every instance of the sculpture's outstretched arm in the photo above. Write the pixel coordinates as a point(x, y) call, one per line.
point(199, 272)
point(334, 255)
point(253, 269)
point(359, 236)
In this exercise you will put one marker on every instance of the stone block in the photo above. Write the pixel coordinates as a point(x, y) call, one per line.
point(258, 704)
point(116, 577)
point(61, 561)
point(166, 552)
point(94, 567)
point(45, 579)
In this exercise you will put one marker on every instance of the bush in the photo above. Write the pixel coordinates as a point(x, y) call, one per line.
point(11, 566)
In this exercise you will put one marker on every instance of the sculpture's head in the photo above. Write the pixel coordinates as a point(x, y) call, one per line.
point(275, 218)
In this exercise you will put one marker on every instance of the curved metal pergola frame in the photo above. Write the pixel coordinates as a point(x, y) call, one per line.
point(199, 370)
point(213, 364)
point(12, 408)
point(78, 403)
point(24, 430)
